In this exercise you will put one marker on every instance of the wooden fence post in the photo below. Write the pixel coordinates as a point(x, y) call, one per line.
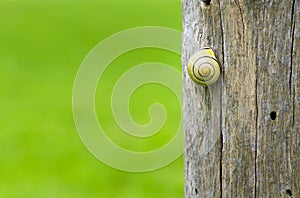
point(252, 113)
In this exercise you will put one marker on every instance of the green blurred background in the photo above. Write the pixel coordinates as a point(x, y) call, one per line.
point(42, 44)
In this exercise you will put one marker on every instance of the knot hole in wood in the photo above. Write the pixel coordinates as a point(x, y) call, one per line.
point(205, 3)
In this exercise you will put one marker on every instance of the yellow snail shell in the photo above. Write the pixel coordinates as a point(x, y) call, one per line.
point(203, 67)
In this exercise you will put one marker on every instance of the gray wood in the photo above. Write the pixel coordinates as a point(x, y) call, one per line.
point(232, 146)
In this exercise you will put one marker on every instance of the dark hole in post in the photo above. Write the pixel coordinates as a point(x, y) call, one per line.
point(289, 192)
point(206, 2)
point(273, 115)
point(196, 190)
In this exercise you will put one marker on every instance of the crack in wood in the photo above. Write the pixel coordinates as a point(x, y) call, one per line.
point(221, 117)
point(256, 121)
point(242, 18)
point(292, 92)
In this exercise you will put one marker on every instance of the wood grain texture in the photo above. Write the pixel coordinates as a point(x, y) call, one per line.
point(233, 148)
point(201, 116)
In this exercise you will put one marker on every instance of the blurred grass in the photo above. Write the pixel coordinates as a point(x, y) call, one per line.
point(140, 101)
point(41, 47)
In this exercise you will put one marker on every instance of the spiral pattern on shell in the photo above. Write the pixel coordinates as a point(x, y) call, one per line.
point(203, 67)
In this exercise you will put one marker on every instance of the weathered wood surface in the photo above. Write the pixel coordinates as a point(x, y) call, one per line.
point(258, 44)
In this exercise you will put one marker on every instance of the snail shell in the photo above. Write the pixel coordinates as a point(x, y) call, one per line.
point(203, 67)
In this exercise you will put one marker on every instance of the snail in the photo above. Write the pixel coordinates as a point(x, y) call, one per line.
point(203, 67)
